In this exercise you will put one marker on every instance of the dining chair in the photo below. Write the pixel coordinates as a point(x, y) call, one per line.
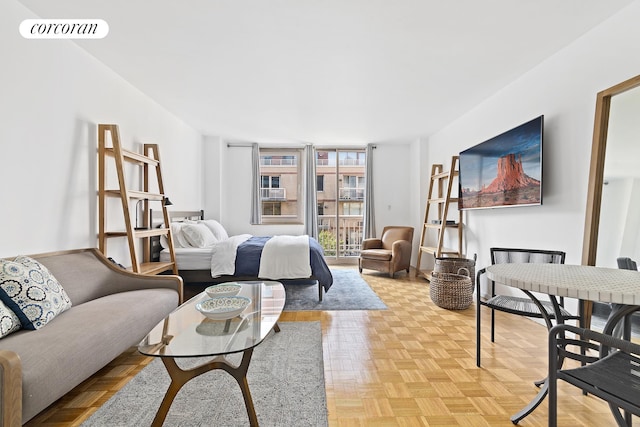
point(623, 329)
point(611, 375)
point(522, 306)
point(626, 263)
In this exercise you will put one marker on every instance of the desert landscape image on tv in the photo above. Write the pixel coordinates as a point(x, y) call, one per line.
point(505, 170)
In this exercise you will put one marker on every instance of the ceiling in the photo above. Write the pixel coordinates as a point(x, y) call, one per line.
point(330, 71)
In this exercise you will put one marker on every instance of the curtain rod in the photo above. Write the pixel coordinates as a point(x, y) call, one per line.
point(327, 147)
point(249, 145)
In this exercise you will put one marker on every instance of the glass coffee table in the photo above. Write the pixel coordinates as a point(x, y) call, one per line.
point(188, 333)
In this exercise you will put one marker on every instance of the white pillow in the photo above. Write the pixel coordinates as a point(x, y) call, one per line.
point(179, 240)
point(216, 228)
point(198, 235)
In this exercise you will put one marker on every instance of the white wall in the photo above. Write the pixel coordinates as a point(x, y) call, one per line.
point(563, 88)
point(393, 200)
point(53, 96)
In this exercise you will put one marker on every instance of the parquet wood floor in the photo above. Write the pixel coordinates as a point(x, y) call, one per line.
point(410, 365)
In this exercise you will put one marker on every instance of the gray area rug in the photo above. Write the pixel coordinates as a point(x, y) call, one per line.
point(348, 292)
point(286, 379)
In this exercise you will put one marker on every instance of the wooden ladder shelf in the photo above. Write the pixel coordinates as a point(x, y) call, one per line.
point(436, 216)
point(148, 161)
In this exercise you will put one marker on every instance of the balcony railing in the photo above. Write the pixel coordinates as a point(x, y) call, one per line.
point(349, 232)
point(343, 162)
point(351, 194)
point(273, 193)
point(278, 162)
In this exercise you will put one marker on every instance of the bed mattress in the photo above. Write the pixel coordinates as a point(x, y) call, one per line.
point(189, 258)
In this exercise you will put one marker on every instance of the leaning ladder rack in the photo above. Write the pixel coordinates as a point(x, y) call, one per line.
point(436, 216)
point(149, 161)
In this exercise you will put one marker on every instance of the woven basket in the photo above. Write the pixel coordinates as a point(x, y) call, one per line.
point(451, 291)
point(452, 265)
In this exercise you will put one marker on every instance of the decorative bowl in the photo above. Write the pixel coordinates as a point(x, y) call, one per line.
point(223, 290)
point(220, 308)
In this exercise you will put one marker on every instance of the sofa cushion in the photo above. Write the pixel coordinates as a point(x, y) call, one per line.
point(31, 292)
point(9, 322)
point(377, 254)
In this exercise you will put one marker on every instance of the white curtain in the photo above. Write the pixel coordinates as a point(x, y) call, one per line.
point(310, 199)
point(256, 217)
point(369, 217)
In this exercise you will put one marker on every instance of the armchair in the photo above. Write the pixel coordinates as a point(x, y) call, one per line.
point(390, 253)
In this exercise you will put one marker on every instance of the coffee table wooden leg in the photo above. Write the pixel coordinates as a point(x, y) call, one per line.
point(240, 374)
point(180, 377)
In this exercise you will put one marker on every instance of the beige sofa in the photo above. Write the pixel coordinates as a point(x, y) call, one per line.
point(112, 310)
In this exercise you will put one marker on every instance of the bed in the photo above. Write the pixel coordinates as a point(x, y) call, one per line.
point(205, 253)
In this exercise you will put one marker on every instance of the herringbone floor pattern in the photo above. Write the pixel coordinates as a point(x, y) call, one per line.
point(410, 365)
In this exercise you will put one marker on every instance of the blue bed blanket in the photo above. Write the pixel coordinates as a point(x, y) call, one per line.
point(250, 251)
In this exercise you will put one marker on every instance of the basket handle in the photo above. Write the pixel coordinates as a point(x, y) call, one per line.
point(465, 269)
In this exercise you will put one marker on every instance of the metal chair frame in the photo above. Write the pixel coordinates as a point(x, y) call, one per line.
point(611, 376)
point(522, 306)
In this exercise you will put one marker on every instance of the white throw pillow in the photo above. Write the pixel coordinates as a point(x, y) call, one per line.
point(198, 235)
point(216, 228)
point(179, 239)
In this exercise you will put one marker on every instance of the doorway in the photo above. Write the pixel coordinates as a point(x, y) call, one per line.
point(340, 181)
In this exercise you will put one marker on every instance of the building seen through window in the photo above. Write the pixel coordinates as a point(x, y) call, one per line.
point(341, 201)
point(340, 182)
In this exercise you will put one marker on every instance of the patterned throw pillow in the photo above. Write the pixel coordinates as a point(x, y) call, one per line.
point(9, 322)
point(31, 292)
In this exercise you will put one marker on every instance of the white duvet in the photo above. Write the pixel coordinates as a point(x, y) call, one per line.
point(223, 255)
point(283, 257)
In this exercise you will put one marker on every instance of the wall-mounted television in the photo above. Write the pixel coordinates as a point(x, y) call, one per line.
point(503, 171)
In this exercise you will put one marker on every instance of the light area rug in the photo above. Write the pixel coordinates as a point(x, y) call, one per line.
point(348, 292)
point(286, 380)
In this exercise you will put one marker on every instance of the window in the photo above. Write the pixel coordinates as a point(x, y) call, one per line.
point(350, 181)
point(270, 208)
point(270, 181)
point(281, 183)
point(352, 208)
point(270, 188)
point(319, 182)
point(352, 188)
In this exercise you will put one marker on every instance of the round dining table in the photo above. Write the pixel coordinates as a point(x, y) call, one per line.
point(620, 288)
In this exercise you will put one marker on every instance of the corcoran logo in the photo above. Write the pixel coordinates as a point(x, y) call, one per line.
point(64, 28)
